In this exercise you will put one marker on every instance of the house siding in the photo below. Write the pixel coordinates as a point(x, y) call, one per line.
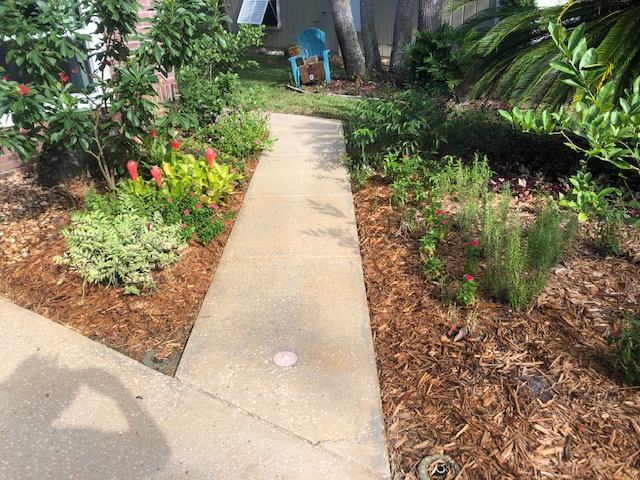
point(298, 15)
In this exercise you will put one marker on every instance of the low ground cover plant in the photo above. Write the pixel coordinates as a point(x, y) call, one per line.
point(626, 340)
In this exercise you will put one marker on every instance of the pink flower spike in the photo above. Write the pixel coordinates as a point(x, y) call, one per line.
point(468, 277)
point(156, 173)
point(186, 212)
point(211, 156)
point(175, 144)
point(474, 243)
point(133, 170)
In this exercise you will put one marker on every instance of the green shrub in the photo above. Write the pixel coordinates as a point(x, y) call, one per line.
point(518, 261)
point(434, 60)
point(239, 132)
point(119, 249)
point(626, 340)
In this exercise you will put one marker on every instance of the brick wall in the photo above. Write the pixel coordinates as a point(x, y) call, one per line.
point(166, 89)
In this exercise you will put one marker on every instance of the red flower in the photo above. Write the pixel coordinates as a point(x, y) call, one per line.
point(474, 243)
point(24, 89)
point(133, 170)
point(211, 156)
point(439, 212)
point(169, 199)
point(468, 277)
point(213, 205)
point(183, 225)
point(63, 77)
point(5, 78)
point(199, 206)
point(444, 222)
point(175, 144)
point(156, 173)
point(193, 194)
point(193, 236)
point(186, 212)
point(75, 70)
point(154, 134)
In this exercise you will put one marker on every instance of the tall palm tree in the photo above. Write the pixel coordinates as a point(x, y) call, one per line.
point(511, 61)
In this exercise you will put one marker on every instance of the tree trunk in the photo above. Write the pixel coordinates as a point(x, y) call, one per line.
point(369, 39)
point(348, 39)
point(430, 15)
point(401, 34)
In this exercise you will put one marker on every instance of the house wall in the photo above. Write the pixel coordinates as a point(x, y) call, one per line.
point(297, 15)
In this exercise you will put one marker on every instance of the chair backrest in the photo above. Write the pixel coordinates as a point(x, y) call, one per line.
point(311, 42)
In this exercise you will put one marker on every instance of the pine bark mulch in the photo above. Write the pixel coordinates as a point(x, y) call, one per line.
point(506, 394)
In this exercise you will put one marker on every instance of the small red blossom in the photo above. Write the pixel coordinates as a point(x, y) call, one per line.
point(211, 156)
point(468, 277)
point(439, 212)
point(75, 70)
point(24, 89)
point(63, 77)
point(446, 214)
point(183, 225)
point(193, 236)
point(133, 170)
point(5, 78)
point(186, 212)
point(154, 134)
point(149, 224)
point(156, 173)
point(444, 222)
point(474, 243)
point(175, 144)
point(201, 198)
point(199, 206)
point(169, 200)
point(193, 194)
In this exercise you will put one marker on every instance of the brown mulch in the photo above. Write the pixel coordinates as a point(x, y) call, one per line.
point(506, 394)
point(156, 323)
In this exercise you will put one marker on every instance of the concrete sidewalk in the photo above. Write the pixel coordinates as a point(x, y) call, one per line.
point(290, 279)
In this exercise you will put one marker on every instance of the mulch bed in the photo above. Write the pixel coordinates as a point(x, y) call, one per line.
point(152, 327)
point(506, 394)
point(521, 395)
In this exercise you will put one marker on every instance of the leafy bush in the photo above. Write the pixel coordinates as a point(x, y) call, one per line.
point(209, 84)
point(239, 132)
point(434, 60)
point(626, 339)
point(414, 125)
point(119, 249)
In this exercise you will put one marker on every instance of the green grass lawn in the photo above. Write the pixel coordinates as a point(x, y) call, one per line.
point(266, 87)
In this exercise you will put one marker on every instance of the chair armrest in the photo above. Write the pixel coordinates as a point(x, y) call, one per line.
point(325, 54)
point(292, 60)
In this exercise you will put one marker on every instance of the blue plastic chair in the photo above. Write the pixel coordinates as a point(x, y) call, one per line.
point(311, 42)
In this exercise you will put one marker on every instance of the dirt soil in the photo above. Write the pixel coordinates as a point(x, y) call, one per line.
point(507, 395)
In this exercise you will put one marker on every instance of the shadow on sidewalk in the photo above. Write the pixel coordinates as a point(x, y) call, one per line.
point(59, 422)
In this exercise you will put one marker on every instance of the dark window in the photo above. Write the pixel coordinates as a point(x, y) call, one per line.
point(271, 15)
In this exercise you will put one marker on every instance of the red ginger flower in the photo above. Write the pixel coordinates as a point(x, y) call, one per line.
point(468, 277)
point(156, 173)
point(133, 170)
point(211, 156)
point(24, 89)
point(175, 144)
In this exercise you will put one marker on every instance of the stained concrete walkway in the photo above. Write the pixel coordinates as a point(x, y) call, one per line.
point(290, 279)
